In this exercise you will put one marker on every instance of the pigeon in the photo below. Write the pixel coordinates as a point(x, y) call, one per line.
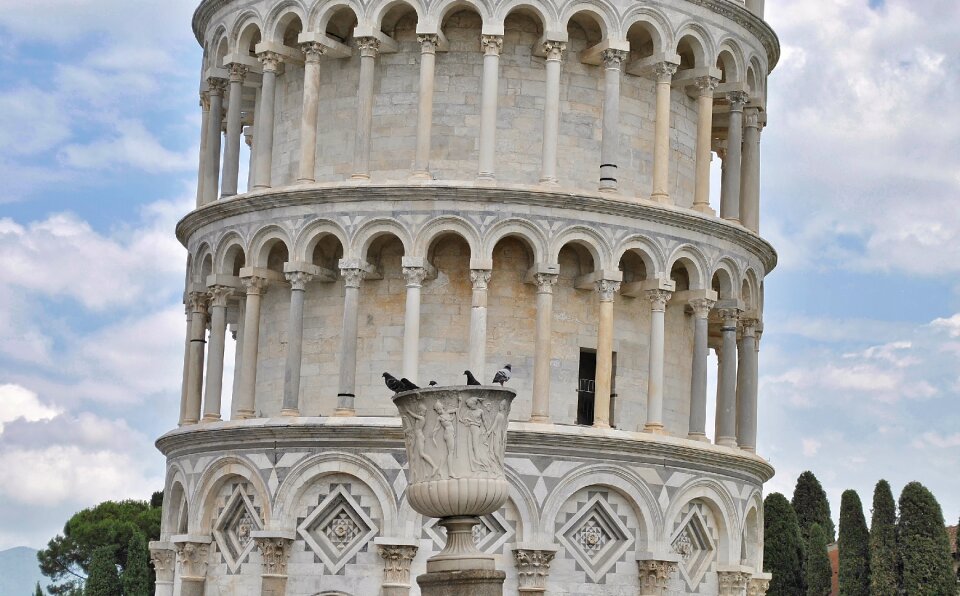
point(393, 383)
point(407, 385)
point(433, 383)
point(471, 380)
point(503, 375)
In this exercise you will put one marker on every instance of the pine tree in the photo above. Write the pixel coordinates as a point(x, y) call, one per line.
point(103, 579)
point(39, 591)
point(782, 547)
point(854, 545)
point(810, 503)
point(817, 570)
point(136, 575)
point(926, 565)
point(883, 542)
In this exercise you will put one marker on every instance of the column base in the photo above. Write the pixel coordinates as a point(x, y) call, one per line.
point(735, 220)
point(188, 422)
point(698, 437)
point(211, 418)
point(748, 448)
point(360, 177)
point(244, 414)
point(305, 181)
point(540, 420)
point(468, 582)
point(261, 186)
point(705, 209)
point(601, 425)
point(607, 187)
point(486, 178)
point(655, 429)
point(549, 181)
point(421, 175)
point(661, 198)
point(289, 412)
point(344, 412)
point(273, 585)
point(227, 195)
point(727, 442)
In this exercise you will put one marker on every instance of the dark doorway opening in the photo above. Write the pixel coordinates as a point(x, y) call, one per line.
point(586, 387)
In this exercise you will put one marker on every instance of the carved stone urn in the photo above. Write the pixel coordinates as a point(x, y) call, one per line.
point(456, 438)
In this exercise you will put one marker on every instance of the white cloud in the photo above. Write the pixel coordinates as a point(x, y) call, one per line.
point(940, 441)
point(810, 447)
point(19, 403)
point(131, 146)
point(31, 121)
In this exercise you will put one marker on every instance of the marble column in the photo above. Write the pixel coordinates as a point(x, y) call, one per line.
point(610, 143)
point(606, 290)
point(369, 49)
point(163, 556)
point(218, 338)
point(479, 279)
point(411, 322)
point(658, 305)
point(348, 341)
point(533, 568)
point(291, 376)
point(540, 412)
point(204, 126)
point(655, 576)
point(310, 115)
point(428, 58)
point(231, 154)
point(551, 112)
point(747, 386)
point(248, 139)
point(750, 171)
point(661, 135)
point(245, 396)
point(192, 557)
point(198, 332)
point(701, 188)
point(271, 62)
point(396, 567)
point(238, 354)
point(185, 377)
point(698, 383)
point(727, 380)
point(492, 46)
point(730, 194)
point(275, 551)
point(211, 161)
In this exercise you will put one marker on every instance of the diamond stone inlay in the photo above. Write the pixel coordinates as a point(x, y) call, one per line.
point(695, 547)
point(596, 537)
point(232, 530)
point(337, 529)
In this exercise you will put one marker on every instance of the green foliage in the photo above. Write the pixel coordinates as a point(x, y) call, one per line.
point(810, 503)
point(926, 565)
point(67, 558)
point(817, 570)
point(883, 542)
point(156, 499)
point(136, 573)
point(854, 545)
point(39, 591)
point(103, 579)
point(782, 547)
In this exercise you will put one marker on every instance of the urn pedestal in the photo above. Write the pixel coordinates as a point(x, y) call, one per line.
point(456, 438)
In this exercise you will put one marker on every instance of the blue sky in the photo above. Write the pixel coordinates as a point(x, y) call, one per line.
point(100, 126)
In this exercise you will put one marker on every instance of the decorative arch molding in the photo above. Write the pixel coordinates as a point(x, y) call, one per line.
point(216, 474)
point(447, 224)
point(549, 19)
point(229, 240)
point(648, 249)
point(696, 258)
point(603, 13)
point(732, 47)
point(595, 244)
point(728, 268)
point(267, 235)
point(437, 13)
point(373, 229)
point(278, 14)
point(317, 229)
point(379, 10)
point(724, 509)
point(708, 56)
point(319, 16)
point(526, 505)
point(175, 489)
point(656, 20)
point(247, 18)
point(519, 228)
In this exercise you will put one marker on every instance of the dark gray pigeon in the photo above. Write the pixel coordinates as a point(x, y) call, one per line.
point(407, 385)
point(471, 380)
point(392, 383)
point(433, 383)
point(503, 375)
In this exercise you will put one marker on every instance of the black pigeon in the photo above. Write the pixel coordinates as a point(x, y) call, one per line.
point(503, 375)
point(407, 385)
point(392, 383)
point(433, 383)
point(471, 380)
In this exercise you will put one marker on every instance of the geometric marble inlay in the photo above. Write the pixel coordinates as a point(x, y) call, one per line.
point(337, 529)
point(596, 537)
point(695, 547)
point(232, 529)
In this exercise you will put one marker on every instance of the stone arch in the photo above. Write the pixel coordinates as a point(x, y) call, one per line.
point(447, 224)
point(724, 279)
point(752, 295)
point(440, 11)
point(323, 15)
point(583, 236)
point(527, 232)
point(526, 505)
point(247, 27)
point(694, 262)
point(699, 43)
point(263, 241)
point(312, 233)
point(366, 471)
point(720, 503)
point(374, 229)
point(228, 249)
point(203, 264)
point(623, 481)
point(751, 554)
point(543, 12)
point(280, 17)
point(647, 249)
point(730, 61)
point(655, 23)
point(176, 506)
point(214, 477)
point(759, 73)
point(219, 47)
point(381, 9)
point(601, 12)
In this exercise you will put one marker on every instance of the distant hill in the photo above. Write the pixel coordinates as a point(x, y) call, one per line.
point(20, 572)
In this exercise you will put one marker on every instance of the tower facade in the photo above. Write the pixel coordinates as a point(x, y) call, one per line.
point(424, 188)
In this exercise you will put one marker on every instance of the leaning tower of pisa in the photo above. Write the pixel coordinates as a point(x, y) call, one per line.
point(431, 187)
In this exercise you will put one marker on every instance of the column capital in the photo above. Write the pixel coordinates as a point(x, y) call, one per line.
point(274, 550)
point(658, 299)
point(198, 302)
point(665, 71)
point(613, 59)
point(351, 277)
point(255, 285)
point(298, 280)
point(479, 278)
point(219, 295)
point(545, 282)
point(654, 575)
point(748, 326)
point(248, 135)
point(729, 316)
point(737, 99)
point(554, 50)
point(192, 557)
point(396, 563)
point(733, 583)
point(271, 61)
point(312, 51)
point(414, 276)
point(533, 566)
point(238, 72)
point(492, 44)
point(428, 43)
point(607, 288)
point(369, 47)
point(751, 118)
point(758, 586)
point(216, 86)
point(163, 556)
point(205, 101)
point(706, 85)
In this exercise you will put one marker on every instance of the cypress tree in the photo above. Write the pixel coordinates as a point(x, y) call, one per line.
point(817, 570)
point(810, 503)
point(39, 590)
point(854, 545)
point(136, 575)
point(926, 565)
point(958, 550)
point(883, 542)
point(103, 579)
point(782, 547)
